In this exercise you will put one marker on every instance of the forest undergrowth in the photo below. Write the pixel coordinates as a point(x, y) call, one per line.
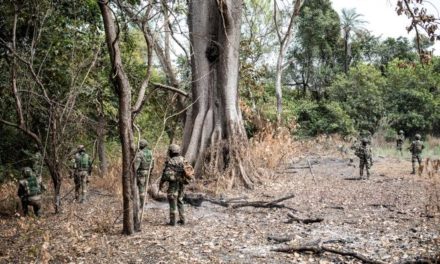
point(391, 218)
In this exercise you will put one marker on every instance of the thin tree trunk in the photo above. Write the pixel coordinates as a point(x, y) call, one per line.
point(278, 86)
point(130, 203)
point(284, 41)
point(103, 165)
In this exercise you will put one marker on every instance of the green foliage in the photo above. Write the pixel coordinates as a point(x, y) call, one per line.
point(412, 97)
point(324, 118)
point(396, 48)
point(360, 95)
point(315, 48)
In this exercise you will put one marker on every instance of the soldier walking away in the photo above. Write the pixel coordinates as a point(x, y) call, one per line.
point(144, 164)
point(30, 189)
point(83, 169)
point(365, 158)
point(400, 139)
point(37, 163)
point(416, 149)
point(174, 173)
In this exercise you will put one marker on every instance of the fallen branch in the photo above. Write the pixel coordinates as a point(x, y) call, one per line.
point(319, 249)
point(194, 199)
point(423, 260)
point(303, 221)
point(265, 204)
point(279, 239)
point(62, 198)
point(283, 239)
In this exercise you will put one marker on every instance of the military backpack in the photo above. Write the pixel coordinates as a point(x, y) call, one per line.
point(177, 169)
point(147, 157)
point(83, 161)
point(31, 186)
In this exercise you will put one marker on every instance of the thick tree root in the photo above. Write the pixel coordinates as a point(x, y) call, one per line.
point(197, 200)
point(320, 249)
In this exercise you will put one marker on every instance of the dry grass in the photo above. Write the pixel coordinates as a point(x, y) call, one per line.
point(112, 181)
point(9, 202)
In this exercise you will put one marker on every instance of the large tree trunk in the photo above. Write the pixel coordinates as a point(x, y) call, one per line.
point(129, 187)
point(214, 128)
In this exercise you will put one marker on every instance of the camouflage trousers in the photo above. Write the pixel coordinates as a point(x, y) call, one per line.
point(80, 178)
point(363, 163)
point(141, 182)
point(35, 202)
point(414, 158)
point(399, 146)
point(175, 199)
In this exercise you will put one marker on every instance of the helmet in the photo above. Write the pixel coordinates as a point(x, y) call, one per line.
point(27, 172)
point(401, 132)
point(174, 149)
point(81, 148)
point(365, 141)
point(418, 136)
point(143, 143)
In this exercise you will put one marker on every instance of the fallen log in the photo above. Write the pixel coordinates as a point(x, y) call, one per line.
point(306, 221)
point(319, 249)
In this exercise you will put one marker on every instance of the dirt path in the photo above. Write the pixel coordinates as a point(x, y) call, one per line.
point(385, 218)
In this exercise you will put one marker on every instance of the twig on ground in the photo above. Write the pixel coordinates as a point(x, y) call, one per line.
point(319, 249)
point(265, 204)
point(301, 220)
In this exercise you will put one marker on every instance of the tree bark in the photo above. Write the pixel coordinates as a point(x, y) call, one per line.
point(214, 128)
point(123, 88)
point(103, 164)
point(284, 41)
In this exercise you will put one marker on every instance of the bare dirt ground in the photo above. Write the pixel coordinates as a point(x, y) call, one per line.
point(388, 218)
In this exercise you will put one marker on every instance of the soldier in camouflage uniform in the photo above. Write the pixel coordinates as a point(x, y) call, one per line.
point(173, 174)
point(29, 190)
point(416, 152)
point(144, 164)
point(37, 163)
point(400, 140)
point(83, 169)
point(365, 158)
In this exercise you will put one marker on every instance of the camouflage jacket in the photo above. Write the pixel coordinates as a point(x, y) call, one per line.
point(173, 170)
point(364, 153)
point(400, 139)
point(416, 147)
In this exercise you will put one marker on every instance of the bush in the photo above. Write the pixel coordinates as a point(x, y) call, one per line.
point(412, 98)
point(360, 95)
point(323, 118)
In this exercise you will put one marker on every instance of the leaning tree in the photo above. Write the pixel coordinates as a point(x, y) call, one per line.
point(214, 136)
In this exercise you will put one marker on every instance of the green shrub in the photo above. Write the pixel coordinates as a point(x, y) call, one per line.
point(323, 118)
